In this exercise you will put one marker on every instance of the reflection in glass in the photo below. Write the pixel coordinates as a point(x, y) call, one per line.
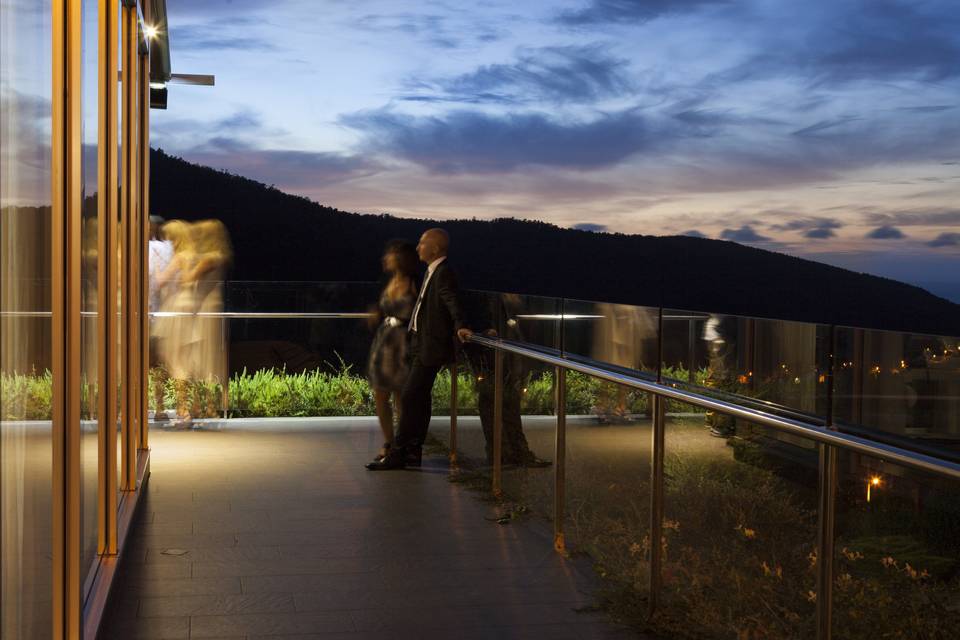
point(88, 288)
point(901, 387)
point(25, 340)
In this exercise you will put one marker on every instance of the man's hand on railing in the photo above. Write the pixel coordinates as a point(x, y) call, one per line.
point(490, 333)
point(464, 334)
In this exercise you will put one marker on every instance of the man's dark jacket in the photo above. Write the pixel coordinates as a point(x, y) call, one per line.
point(441, 315)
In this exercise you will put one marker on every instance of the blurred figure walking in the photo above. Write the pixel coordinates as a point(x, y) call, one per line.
point(160, 254)
point(387, 365)
point(193, 346)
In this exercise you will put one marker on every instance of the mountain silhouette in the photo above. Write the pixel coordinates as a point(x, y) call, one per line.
point(279, 236)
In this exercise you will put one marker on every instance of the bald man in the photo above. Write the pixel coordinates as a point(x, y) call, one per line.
point(437, 321)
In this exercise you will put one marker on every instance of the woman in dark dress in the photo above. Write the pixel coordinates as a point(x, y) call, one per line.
point(387, 367)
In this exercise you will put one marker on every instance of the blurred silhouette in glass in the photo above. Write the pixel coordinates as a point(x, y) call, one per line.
point(719, 333)
point(387, 365)
point(191, 337)
point(160, 254)
point(515, 449)
point(618, 340)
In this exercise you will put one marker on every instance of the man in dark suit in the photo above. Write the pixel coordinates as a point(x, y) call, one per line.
point(438, 318)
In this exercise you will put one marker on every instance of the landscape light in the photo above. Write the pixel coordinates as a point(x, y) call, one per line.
point(873, 482)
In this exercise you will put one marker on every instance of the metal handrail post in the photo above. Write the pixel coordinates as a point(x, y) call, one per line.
point(826, 509)
point(454, 407)
point(656, 501)
point(498, 424)
point(560, 459)
point(829, 463)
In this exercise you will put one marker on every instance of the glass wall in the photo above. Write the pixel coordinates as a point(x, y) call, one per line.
point(25, 341)
point(89, 275)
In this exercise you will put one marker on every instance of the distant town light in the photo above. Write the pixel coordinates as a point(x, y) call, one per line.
point(872, 483)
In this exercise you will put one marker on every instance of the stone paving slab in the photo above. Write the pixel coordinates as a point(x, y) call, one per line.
point(279, 532)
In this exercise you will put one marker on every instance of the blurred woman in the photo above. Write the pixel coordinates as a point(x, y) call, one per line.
point(193, 345)
point(387, 367)
point(175, 326)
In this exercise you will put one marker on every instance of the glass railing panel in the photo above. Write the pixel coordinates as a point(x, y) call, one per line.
point(617, 334)
point(901, 386)
point(781, 364)
point(534, 320)
point(739, 531)
point(897, 563)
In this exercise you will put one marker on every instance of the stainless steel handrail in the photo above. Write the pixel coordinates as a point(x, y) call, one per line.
point(829, 443)
point(796, 427)
point(238, 315)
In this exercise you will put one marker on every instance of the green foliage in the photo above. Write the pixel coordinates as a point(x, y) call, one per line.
point(268, 393)
point(26, 397)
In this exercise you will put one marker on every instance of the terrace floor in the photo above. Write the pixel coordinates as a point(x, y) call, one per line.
point(273, 529)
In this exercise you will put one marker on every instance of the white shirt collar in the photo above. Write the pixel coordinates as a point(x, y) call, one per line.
point(433, 265)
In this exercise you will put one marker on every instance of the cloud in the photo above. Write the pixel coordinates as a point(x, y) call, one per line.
point(434, 29)
point(886, 38)
point(216, 35)
point(819, 234)
point(886, 232)
point(570, 74)
point(930, 217)
point(823, 125)
point(287, 168)
point(693, 233)
point(590, 226)
point(862, 40)
point(25, 151)
point(815, 228)
point(945, 240)
point(473, 141)
point(632, 11)
point(745, 234)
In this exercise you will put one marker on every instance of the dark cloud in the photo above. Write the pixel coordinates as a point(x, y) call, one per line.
point(928, 108)
point(823, 125)
point(887, 38)
point(862, 40)
point(550, 74)
point(813, 228)
point(945, 240)
point(886, 232)
point(472, 141)
point(693, 233)
point(590, 226)
point(745, 234)
point(632, 11)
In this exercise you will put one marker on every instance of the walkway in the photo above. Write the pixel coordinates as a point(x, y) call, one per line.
point(276, 531)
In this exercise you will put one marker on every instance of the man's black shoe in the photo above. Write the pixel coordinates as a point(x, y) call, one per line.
point(414, 457)
point(393, 460)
